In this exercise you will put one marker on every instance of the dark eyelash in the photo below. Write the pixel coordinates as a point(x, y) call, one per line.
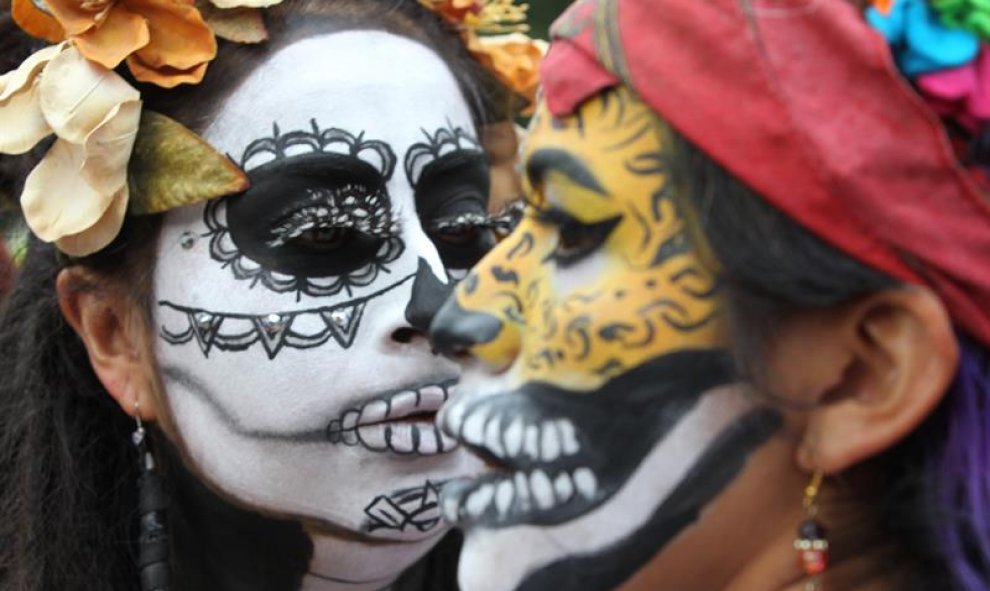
point(502, 222)
point(351, 207)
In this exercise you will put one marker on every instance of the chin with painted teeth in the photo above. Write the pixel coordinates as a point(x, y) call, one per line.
point(597, 386)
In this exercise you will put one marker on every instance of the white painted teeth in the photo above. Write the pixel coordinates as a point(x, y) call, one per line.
point(541, 489)
point(563, 487)
point(479, 500)
point(474, 429)
point(551, 443)
point(493, 437)
point(454, 417)
point(350, 419)
point(546, 441)
point(376, 425)
point(532, 445)
point(522, 492)
point(433, 396)
point(568, 437)
point(586, 482)
point(513, 438)
point(374, 412)
point(504, 496)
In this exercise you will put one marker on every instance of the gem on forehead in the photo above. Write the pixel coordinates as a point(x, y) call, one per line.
point(187, 240)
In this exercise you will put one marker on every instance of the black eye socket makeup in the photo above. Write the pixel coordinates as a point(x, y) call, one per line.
point(317, 219)
point(450, 174)
point(452, 201)
point(313, 215)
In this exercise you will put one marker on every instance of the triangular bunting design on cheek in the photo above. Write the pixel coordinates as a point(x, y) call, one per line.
point(273, 329)
point(343, 322)
point(205, 327)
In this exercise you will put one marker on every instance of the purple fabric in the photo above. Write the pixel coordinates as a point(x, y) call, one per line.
point(962, 468)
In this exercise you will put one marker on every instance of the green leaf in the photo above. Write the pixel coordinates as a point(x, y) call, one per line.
point(172, 167)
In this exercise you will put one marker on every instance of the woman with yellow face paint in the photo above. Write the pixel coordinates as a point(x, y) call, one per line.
point(739, 340)
point(215, 370)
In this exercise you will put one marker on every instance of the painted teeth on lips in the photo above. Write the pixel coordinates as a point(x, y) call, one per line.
point(389, 424)
point(513, 438)
point(501, 498)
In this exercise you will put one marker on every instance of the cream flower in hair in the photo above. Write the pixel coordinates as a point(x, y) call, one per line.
point(77, 196)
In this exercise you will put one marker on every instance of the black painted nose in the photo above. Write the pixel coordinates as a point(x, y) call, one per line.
point(455, 330)
point(428, 294)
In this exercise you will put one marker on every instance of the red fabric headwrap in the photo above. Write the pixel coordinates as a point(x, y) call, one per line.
point(800, 100)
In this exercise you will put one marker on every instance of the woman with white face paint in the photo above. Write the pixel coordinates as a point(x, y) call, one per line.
point(267, 345)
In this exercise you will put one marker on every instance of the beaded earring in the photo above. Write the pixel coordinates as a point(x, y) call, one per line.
point(153, 542)
point(811, 543)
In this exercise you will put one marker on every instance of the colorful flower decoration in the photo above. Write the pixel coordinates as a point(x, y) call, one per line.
point(920, 41)
point(164, 42)
point(514, 59)
point(961, 93)
point(77, 196)
point(883, 6)
point(971, 15)
point(108, 157)
point(937, 46)
point(494, 33)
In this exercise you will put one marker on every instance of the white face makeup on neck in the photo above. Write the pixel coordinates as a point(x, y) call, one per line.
point(291, 317)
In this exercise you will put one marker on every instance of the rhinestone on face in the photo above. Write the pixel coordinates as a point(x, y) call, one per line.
point(274, 323)
point(187, 240)
point(203, 320)
point(340, 318)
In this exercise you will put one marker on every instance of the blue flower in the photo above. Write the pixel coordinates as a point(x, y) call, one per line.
point(921, 43)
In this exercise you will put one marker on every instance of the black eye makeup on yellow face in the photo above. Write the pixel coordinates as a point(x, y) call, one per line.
point(575, 239)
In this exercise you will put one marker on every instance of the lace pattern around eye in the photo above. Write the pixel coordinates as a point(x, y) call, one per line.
point(351, 207)
point(501, 223)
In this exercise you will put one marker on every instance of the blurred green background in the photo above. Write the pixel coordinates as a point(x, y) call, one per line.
point(543, 12)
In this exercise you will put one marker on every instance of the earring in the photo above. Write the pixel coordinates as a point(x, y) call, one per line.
point(811, 543)
point(153, 543)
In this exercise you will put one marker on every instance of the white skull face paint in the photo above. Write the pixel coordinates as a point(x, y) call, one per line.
point(291, 317)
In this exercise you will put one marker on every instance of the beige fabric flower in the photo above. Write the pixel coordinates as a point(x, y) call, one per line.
point(77, 196)
point(244, 3)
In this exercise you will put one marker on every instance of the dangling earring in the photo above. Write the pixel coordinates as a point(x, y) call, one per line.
point(153, 541)
point(811, 543)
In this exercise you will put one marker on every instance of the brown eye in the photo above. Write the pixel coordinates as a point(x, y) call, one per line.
point(458, 236)
point(322, 239)
point(578, 240)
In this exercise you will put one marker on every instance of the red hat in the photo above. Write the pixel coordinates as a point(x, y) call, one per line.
point(800, 100)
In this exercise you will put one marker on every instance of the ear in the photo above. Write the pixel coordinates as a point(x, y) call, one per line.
point(113, 330)
point(877, 368)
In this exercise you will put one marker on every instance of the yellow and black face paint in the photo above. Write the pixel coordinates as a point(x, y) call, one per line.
point(598, 348)
point(600, 276)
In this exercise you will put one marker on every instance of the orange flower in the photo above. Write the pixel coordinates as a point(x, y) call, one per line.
point(514, 59)
point(165, 42)
point(453, 11)
point(883, 6)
